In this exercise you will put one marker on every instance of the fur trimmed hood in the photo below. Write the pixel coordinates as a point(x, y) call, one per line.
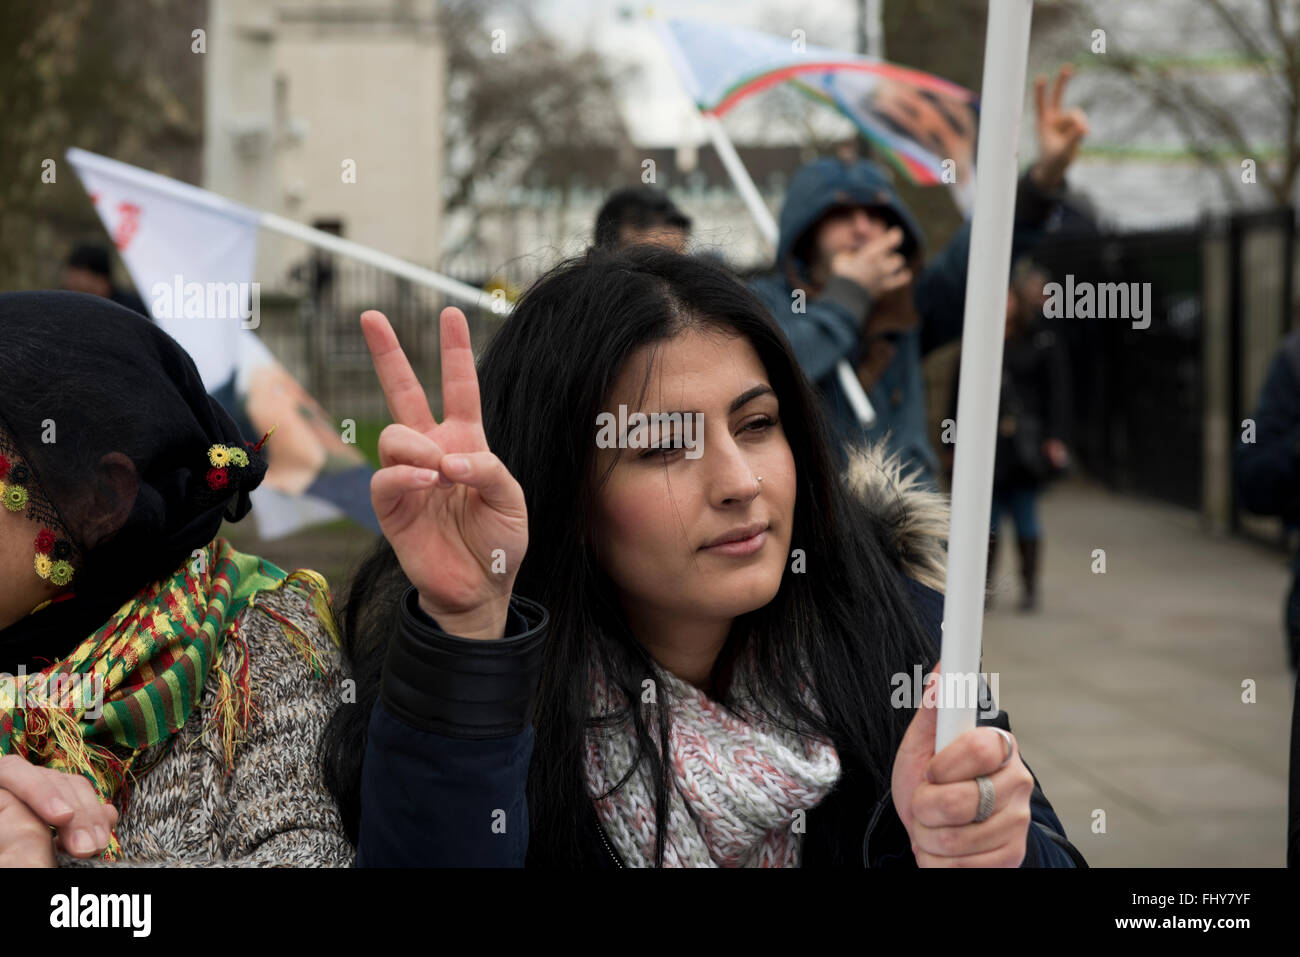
point(913, 518)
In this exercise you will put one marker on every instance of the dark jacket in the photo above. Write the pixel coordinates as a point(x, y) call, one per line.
point(1268, 469)
point(447, 756)
point(1033, 405)
point(1268, 483)
point(830, 328)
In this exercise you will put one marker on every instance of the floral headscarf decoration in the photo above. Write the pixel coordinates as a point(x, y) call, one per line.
point(55, 550)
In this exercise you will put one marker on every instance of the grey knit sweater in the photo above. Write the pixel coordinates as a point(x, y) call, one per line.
point(272, 808)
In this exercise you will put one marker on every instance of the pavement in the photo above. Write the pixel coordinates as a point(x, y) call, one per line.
point(1125, 690)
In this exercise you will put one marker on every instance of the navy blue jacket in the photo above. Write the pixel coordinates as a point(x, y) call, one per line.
point(829, 329)
point(446, 763)
point(1268, 469)
point(1268, 482)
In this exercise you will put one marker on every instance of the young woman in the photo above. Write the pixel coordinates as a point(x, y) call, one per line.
point(703, 623)
point(161, 695)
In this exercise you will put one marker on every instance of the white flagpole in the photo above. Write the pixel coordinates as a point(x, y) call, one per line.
point(767, 226)
point(740, 177)
point(1006, 48)
point(417, 274)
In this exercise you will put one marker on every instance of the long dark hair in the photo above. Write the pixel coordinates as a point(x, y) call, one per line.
point(845, 624)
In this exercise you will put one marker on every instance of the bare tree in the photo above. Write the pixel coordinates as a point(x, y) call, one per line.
point(508, 111)
point(118, 80)
point(1215, 119)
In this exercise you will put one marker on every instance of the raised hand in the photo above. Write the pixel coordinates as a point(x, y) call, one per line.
point(875, 265)
point(453, 513)
point(1060, 131)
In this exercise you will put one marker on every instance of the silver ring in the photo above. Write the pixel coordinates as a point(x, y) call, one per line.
point(1011, 748)
point(986, 799)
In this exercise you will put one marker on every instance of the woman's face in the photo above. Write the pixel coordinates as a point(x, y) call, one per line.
point(21, 589)
point(660, 513)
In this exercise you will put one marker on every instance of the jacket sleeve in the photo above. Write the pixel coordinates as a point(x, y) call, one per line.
point(827, 328)
point(941, 288)
point(1045, 844)
point(886, 842)
point(1268, 469)
point(446, 764)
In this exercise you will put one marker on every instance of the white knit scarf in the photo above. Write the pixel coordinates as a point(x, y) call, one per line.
point(738, 793)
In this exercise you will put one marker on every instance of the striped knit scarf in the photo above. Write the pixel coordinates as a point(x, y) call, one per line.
point(738, 794)
point(135, 682)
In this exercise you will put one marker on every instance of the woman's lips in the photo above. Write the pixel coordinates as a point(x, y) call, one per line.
point(746, 546)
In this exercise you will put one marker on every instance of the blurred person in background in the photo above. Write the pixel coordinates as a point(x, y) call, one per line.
point(1033, 420)
point(89, 269)
point(850, 282)
point(1268, 468)
point(201, 676)
point(1268, 482)
point(641, 215)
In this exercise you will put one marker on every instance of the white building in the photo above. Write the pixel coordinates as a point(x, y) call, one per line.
point(329, 112)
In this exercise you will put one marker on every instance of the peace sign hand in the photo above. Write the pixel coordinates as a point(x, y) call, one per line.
point(1060, 131)
point(453, 513)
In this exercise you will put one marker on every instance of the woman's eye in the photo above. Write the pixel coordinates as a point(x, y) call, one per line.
point(760, 424)
point(664, 451)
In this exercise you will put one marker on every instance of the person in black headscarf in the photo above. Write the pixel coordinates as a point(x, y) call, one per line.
point(131, 636)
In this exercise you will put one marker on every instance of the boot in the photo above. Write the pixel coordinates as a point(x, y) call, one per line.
point(990, 581)
point(1029, 552)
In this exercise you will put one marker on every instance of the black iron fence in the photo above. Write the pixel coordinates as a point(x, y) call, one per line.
point(312, 325)
point(1159, 401)
point(1137, 381)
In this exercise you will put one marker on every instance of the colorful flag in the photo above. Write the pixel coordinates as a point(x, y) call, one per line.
point(915, 120)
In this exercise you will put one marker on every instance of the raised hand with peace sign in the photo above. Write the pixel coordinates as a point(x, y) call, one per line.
point(452, 512)
point(1060, 131)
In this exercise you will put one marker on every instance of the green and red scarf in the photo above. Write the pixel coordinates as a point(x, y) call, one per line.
point(153, 659)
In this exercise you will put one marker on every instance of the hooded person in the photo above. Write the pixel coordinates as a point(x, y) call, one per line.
point(139, 652)
point(850, 282)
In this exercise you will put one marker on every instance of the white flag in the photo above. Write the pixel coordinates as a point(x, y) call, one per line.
point(190, 253)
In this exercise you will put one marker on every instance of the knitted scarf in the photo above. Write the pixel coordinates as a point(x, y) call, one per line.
point(739, 791)
point(135, 682)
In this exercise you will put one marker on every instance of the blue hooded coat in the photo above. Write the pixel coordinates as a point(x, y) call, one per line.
point(830, 326)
